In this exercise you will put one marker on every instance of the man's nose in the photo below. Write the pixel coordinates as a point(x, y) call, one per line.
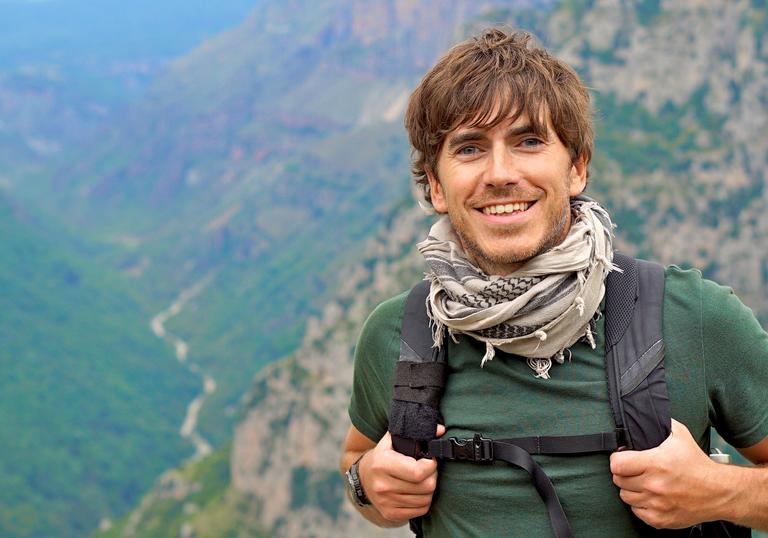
point(502, 168)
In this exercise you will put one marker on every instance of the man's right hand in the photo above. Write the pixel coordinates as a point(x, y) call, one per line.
point(399, 486)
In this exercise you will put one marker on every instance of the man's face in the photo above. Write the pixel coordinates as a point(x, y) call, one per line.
point(506, 191)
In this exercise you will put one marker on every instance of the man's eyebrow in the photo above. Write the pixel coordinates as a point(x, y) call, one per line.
point(520, 130)
point(472, 135)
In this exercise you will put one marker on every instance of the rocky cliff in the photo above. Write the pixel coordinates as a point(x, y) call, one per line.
point(285, 453)
point(683, 88)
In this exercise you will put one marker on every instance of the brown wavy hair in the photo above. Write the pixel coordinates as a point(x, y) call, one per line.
point(486, 79)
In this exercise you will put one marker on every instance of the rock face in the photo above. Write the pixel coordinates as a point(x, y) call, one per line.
point(703, 66)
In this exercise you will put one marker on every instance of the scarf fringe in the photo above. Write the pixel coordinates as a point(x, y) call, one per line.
point(490, 353)
point(540, 366)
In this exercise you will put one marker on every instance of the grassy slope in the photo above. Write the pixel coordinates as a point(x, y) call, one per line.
point(196, 494)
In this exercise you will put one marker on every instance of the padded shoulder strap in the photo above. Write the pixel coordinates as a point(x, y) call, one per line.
point(419, 379)
point(634, 352)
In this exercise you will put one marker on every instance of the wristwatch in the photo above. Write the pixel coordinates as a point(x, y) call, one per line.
point(354, 486)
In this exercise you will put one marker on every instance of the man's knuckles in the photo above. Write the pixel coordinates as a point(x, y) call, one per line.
point(659, 487)
point(416, 471)
point(624, 463)
point(657, 519)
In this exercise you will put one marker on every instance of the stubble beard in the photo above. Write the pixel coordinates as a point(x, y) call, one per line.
point(492, 263)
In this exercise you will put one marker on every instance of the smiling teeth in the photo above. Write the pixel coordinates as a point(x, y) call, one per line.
point(506, 208)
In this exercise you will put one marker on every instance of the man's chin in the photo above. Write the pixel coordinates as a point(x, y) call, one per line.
point(500, 262)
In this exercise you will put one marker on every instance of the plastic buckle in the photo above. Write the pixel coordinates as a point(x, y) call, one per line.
point(478, 449)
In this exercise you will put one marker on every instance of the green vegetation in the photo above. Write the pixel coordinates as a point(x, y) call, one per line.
point(308, 489)
point(197, 497)
point(577, 8)
point(90, 400)
point(641, 142)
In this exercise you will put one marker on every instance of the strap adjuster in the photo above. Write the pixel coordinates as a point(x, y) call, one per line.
point(622, 438)
point(478, 449)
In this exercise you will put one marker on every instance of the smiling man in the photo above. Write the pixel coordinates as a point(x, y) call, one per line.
point(579, 432)
point(506, 190)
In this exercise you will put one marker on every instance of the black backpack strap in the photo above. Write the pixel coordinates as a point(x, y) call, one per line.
point(418, 385)
point(481, 450)
point(419, 379)
point(634, 352)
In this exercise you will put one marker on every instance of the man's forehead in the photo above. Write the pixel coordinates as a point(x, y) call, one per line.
point(511, 120)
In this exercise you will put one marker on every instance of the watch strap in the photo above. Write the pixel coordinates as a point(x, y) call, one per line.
point(355, 486)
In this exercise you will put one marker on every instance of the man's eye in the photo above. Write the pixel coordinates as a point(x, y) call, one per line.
point(468, 150)
point(530, 142)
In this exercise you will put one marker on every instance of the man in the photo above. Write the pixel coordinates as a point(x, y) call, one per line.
point(502, 139)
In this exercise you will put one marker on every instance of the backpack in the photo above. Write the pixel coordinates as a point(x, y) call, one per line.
point(634, 353)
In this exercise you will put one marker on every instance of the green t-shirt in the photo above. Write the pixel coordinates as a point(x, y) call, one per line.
point(717, 374)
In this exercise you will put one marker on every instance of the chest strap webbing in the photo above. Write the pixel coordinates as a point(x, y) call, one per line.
point(482, 450)
point(518, 452)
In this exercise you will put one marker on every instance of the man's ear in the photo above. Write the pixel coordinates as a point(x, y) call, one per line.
point(436, 193)
point(577, 177)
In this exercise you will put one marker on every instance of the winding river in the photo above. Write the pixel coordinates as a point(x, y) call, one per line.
point(188, 428)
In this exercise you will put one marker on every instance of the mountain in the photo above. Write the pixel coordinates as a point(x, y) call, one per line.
point(257, 164)
point(87, 392)
point(68, 67)
point(680, 93)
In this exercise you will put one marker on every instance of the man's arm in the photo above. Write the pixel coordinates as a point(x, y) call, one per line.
point(676, 485)
point(399, 487)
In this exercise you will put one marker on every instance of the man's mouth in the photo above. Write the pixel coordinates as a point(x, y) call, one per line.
point(505, 209)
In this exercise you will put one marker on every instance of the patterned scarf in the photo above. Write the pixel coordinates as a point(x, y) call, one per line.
point(536, 312)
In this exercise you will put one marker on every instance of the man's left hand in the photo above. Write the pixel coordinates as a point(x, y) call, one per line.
point(674, 485)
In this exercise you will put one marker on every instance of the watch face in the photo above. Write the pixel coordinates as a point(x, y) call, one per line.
point(350, 482)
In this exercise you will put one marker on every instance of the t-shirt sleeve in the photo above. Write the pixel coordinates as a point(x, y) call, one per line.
point(735, 350)
point(376, 354)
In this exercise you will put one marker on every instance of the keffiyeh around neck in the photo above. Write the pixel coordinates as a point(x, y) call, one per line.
point(536, 312)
